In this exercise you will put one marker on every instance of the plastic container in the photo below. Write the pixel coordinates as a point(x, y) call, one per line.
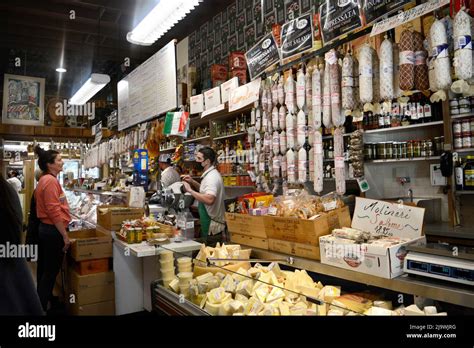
point(183, 260)
point(166, 255)
point(185, 269)
point(167, 274)
point(166, 264)
point(185, 277)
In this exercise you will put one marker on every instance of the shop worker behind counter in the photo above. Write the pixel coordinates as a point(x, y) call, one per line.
point(210, 197)
point(53, 211)
point(169, 175)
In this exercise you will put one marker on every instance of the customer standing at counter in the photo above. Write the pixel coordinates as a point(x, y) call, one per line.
point(53, 211)
point(169, 175)
point(210, 197)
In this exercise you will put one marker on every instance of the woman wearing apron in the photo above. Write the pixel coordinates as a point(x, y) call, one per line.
point(210, 197)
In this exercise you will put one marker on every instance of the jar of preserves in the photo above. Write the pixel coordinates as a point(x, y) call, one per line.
point(429, 148)
point(394, 150)
point(458, 141)
point(404, 149)
point(457, 128)
point(466, 141)
point(410, 150)
point(374, 150)
point(466, 126)
point(389, 150)
point(416, 148)
point(381, 151)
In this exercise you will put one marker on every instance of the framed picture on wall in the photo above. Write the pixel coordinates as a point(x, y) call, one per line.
point(224, 49)
point(232, 40)
point(292, 9)
point(250, 35)
point(210, 56)
point(217, 53)
point(259, 31)
point(217, 22)
point(204, 30)
point(224, 31)
point(268, 6)
point(280, 11)
point(249, 15)
point(305, 6)
point(240, 5)
point(224, 15)
point(23, 100)
point(270, 19)
point(240, 39)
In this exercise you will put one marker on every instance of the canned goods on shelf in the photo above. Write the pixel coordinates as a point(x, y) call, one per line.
point(458, 141)
point(457, 128)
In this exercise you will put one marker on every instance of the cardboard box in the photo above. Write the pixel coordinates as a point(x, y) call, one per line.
point(100, 308)
point(378, 218)
point(241, 74)
point(253, 226)
point(219, 72)
point(90, 244)
point(237, 61)
point(92, 288)
point(295, 249)
point(111, 219)
point(255, 242)
point(306, 231)
point(92, 266)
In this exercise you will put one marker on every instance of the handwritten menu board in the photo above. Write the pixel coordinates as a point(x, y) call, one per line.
point(388, 219)
point(149, 90)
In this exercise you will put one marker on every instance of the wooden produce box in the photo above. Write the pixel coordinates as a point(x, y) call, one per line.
point(296, 249)
point(111, 219)
point(106, 308)
point(92, 266)
point(255, 242)
point(248, 225)
point(306, 231)
point(90, 244)
point(92, 288)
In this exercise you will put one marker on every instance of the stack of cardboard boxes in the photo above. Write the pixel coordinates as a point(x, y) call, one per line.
point(237, 68)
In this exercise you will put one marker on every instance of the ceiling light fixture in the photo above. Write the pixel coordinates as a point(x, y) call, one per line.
point(161, 19)
point(90, 88)
point(61, 70)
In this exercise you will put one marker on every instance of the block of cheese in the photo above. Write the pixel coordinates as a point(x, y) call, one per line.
point(213, 283)
point(245, 288)
point(322, 309)
point(354, 303)
point(284, 308)
point(212, 308)
point(383, 304)
point(430, 310)
point(216, 295)
point(241, 298)
point(297, 310)
point(253, 307)
point(241, 275)
point(225, 309)
point(335, 312)
point(269, 310)
point(262, 292)
point(220, 276)
point(275, 268)
point(204, 277)
point(254, 272)
point(275, 294)
point(236, 306)
point(378, 311)
point(228, 284)
point(413, 310)
point(307, 291)
point(329, 293)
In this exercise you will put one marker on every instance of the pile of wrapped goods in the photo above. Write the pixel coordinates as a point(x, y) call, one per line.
point(268, 290)
point(146, 228)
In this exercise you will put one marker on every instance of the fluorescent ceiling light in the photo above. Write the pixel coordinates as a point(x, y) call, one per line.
point(161, 19)
point(93, 85)
point(61, 70)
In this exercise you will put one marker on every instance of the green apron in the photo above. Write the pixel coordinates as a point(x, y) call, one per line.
point(205, 220)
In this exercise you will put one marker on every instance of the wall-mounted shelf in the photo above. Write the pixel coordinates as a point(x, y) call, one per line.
point(169, 149)
point(197, 140)
point(230, 136)
point(403, 128)
point(465, 150)
point(433, 158)
point(98, 192)
point(454, 117)
point(459, 193)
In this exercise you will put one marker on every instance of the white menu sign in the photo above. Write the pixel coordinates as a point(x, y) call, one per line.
point(197, 104)
point(212, 98)
point(149, 90)
point(227, 87)
point(388, 219)
point(244, 95)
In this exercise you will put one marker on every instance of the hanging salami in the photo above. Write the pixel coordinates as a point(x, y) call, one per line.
point(316, 99)
point(327, 98)
point(300, 89)
point(339, 166)
point(318, 162)
point(347, 83)
point(386, 70)
point(421, 68)
point(365, 74)
point(407, 60)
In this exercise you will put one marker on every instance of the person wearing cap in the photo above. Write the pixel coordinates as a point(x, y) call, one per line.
point(168, 174)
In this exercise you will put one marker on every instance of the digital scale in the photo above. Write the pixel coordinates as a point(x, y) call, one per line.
point(441, 261)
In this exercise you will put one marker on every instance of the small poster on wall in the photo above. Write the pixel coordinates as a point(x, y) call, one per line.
point(280, 11)
point(268, 6)
point(23, 100)
point(232, 43)
point(249, 15)
point(224, 31)
point(338, 19)
point(297, 36)
point(250, 35)
point(292, 9)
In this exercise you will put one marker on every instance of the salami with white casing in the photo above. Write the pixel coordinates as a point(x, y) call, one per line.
point(300, 89)
point(337, 116)
point(327, 98)
point(275, 93)
point(290, 131)
point(439, 44)
point(376, 77)
point(302, 164)
point(284, 166)
point(275, 118)
point(311, 164)
point(356, 84)
point(301, 128)
point(309, 91)
point(276, 164)
point(280, 91)
point(339, 166)
point(316, 99)
point(258, 143)
point(318, 162)
point(310, 126)
point(291, 167)
point(421, 69)
point(365, 74)
point(347, 83)
point(463, 60)
point(290, 93)
point(282, 117)
point(269, 98)
point(258, 120)
point(263, 95)
point(264, 121)
point(397, 92)
point(283, 146)
point(252, 117)
point(276, 143)
point(386, 70)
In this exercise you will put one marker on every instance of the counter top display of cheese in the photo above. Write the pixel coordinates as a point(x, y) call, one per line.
point(248, 287)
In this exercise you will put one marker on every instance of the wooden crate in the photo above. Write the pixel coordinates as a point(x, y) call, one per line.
point(92, 266)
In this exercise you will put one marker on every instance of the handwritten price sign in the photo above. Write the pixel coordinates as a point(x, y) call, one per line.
point(388, 219)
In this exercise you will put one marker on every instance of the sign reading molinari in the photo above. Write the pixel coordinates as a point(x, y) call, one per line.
point(388, 219)
point(374, 9)
point(262, 55)
point(296, 36)
point(244, 95)
point(338, 17)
